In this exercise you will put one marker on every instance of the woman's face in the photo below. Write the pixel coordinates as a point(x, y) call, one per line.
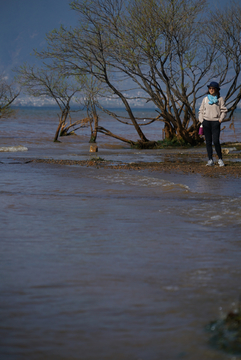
point(212, 90)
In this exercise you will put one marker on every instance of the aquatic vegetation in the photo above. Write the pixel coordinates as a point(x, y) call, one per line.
point(97, 159)
point(175, 142)
point(160, 144)
point(144, 145)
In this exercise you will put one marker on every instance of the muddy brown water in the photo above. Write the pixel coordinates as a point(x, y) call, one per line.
point(112, 264)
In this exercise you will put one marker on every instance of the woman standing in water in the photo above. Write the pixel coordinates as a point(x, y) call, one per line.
point(211, 113)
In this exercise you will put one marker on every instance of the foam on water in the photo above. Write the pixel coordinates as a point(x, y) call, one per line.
point(143, 181)
point(213, 212)
point(13, 148)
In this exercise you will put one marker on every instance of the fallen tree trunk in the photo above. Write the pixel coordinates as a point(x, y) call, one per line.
point(109, 133)
point(140, 144)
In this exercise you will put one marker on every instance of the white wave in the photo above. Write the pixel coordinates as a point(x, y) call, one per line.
point(219, 212)
point(13, 148)
point(171, 288)
point(143, 181)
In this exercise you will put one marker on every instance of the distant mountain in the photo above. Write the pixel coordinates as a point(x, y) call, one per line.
point(23, 26)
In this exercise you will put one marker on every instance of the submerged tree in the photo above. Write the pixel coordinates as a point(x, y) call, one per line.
point(160, 48)
point(44, 82)
point(91, 89)
point(8, 94)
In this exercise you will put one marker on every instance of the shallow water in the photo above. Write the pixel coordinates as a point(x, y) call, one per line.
point(113, 264)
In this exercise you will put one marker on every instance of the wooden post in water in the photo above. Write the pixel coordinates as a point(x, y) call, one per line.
point(93, 148)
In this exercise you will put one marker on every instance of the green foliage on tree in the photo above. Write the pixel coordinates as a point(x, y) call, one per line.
point(8, 94)
point(51, 83)
point(163, 52)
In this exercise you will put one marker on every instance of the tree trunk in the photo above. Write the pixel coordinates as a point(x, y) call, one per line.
point(169, 131)
point(109, 133)
point(189, 136)
point(62, 122)
point(58, 130)
point(128, 109)
point(94, 131)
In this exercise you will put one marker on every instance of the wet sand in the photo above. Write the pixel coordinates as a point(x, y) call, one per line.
point(171, 163)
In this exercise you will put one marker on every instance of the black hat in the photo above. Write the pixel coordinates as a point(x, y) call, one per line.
point(214, 84)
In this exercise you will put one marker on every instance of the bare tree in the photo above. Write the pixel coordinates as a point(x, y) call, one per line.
point(84, 54)
point(91, 91)
point(160, 47)
point(45, 82)
point(8, 94)
point(225, 23)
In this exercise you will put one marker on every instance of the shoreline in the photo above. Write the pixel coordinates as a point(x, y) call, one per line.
point(172, 163)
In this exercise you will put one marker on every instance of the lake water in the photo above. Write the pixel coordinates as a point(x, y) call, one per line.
point(110, 264)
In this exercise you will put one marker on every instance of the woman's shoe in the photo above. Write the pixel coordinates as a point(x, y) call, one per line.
point(220, 162)
point(210, 162)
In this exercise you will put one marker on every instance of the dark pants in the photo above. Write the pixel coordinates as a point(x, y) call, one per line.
point(211, 131)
